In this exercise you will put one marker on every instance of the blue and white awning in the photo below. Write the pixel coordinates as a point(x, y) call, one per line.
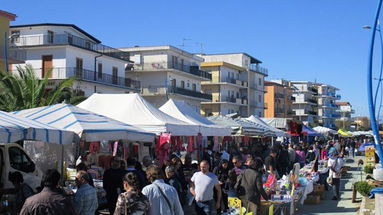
point(88, 125)
point(14, 128)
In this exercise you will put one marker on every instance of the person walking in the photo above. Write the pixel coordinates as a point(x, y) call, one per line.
point(112, 182)
point(271, 163)
point(163, 198)
point(222, 172)
point(335, 164)
point(51, 200)
point(85, 199)
point(132, 201)
point(171, 179)
point(202, 188)
point(250, 181)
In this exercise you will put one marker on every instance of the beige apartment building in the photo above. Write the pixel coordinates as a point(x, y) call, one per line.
point(237, 84)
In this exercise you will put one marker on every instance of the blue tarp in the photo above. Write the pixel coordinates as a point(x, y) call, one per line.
point(306, 130)
point(362, 147)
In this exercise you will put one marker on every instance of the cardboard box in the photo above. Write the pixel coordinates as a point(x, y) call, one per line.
point(318, 188)
point(312, 199)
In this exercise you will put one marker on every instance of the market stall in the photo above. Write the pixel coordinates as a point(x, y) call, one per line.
point(182, 111)
point(272, 130)
point(134, 110)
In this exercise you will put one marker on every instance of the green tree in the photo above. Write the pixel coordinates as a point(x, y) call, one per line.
point(25, 90)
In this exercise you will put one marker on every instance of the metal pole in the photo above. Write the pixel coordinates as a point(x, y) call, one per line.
point(6, 51)
point(371, 104)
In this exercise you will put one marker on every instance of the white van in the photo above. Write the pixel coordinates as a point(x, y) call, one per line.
point(14, 158)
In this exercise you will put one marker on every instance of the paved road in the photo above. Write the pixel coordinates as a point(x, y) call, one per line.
point(344, 206)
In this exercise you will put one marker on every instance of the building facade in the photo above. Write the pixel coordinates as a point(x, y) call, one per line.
point(62, 51)
point(168, 72)
point(327, 107)
point(228, 88)
point(344, 109)
point(278, 99)
point(250, 73)
point(305, 106)
point(7, 56)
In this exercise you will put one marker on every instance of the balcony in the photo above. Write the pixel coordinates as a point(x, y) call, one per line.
point(279, 95)
point(259, 69)
point(67, 39)
point(312, 101)
point(231, 99)
point(230, 80)
point(186, 92)
point(15, 55)
point(338, 97)
point(312, 112)
point(91, 76)
point(194, 70)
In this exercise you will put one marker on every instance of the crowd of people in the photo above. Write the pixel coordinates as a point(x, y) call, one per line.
point(168, 189)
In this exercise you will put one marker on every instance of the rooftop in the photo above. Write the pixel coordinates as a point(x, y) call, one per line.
point(342, 103)
point(159, 48)
point(8, 15)
point(252, 59)
point(59, 24)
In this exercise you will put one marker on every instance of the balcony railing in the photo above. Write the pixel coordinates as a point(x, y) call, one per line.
point(312, 101)
point(88, 75)
point(194, 70)
point(187, 92)
point(67, 39)
point(231, 99)
point(14, 54)
point(259, 69)
point(230, 80)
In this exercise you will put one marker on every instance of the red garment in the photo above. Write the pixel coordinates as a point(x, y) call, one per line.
point(190, 144)
point(162, 148)
point(324, 155)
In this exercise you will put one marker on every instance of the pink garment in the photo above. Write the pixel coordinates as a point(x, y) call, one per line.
point(163, 147)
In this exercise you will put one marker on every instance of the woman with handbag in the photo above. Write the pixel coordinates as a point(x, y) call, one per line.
point(335, 164)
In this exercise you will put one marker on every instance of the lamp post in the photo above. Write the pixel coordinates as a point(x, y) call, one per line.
point(371, 104)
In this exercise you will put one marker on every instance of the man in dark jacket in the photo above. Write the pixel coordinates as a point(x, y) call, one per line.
point(250, 181)
point(51, 200)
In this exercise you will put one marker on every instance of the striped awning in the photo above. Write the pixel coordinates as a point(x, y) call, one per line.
point(87, 125)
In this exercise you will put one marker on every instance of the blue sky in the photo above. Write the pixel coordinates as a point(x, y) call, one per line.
point(296, 39)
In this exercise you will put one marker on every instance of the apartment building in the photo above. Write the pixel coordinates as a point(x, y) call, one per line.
point(6, 56)
point(305, 105)
point(62, 51)
point(228, 88)
point(278, 99)
point(168, 72)
point(344, 109)
point(241, 78)
point(327, 107)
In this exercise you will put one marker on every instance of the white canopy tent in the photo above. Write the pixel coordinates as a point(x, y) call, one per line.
point(134, 110)
point(324, 130)
point(182, 111)
point(239, 126)
point(14, 128)
point(280, 123)
point(87, 125)
point(271, 130)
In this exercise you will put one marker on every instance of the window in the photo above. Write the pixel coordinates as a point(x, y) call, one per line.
point(173, 82)
point(260, 81)
point(182, 84)
point(114, 75)
point(99, 71)
point(87, 44)
point(70, 38)
point(259, 114)
point(79, 67)
point(50, 36)
point(259, 98)
point(20, 161)
point(194, 87)
point(182, 63)
point(174, 62)
point(15, 36)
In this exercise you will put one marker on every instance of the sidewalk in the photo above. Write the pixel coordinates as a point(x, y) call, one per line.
point(344, 206)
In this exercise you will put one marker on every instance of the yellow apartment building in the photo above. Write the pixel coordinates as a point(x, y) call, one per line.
point(5, 18)
point(228, 88)
point(278, 99)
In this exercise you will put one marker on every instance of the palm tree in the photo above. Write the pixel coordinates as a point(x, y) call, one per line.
point(24, 90)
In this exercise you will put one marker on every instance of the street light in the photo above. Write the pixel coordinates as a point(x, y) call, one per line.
point(371, 104)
